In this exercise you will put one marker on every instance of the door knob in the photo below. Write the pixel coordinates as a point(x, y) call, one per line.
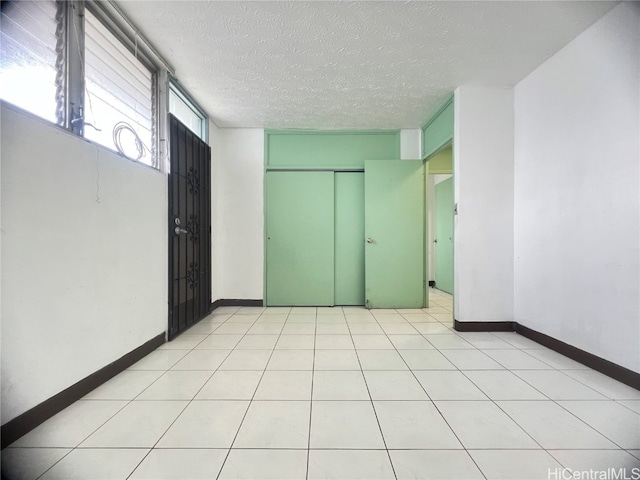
point(179, 230)
point(369, 240)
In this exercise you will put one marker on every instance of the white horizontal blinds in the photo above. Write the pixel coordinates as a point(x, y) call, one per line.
point(118, 89)
point(28, 53)
point(185, 113)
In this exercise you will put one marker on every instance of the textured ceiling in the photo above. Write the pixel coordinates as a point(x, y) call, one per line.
point(350, 65)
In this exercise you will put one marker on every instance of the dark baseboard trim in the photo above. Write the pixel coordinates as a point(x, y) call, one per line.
point(483, 326)
point(234, 302)
point(613, 370)
point(24, 423)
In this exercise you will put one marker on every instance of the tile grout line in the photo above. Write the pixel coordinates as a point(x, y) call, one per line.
point(235, 437)
point(189, 402)
point(356, 350)
point(393, 469)
point(313, 367)
point(77, 447)
point(618, 401)
point(440, 412)
point(430, 399)
point(498, 406)
point(548, 399)
point(126, 404)
point(557, 402)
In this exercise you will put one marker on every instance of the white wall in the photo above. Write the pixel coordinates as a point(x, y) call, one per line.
point(577, 193)
point(483, 190)
point(410, 146)
point(216, 209)
point(238, 213)
point(84, 259)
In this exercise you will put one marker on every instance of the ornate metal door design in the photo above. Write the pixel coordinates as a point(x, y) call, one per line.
point(189, 228)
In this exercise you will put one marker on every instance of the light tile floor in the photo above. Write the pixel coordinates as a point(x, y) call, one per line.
point(340, 393)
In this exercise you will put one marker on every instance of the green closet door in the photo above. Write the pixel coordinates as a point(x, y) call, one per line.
point(300, 238)
point(349, 244)
point(394, 231)
point(443, 233)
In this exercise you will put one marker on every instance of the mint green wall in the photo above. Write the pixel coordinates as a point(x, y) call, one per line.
point(438, 131)
point(329, 149)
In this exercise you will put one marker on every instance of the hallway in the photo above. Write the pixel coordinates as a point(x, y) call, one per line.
point(342, 393)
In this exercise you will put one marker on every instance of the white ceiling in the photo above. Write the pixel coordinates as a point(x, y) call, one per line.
point(350, 65)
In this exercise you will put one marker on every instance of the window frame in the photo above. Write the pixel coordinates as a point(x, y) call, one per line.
point(114, 20)
point(182, 94)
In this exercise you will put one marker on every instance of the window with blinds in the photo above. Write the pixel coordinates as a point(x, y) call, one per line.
point(118, 106)
point(77, 64)
point(28, 56)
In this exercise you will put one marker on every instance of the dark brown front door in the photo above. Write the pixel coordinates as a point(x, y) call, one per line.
point(189, 228)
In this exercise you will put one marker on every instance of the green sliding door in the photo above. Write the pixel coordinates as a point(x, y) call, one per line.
point(443, 236)
point(349, 240)
point(394, 232)
point(300, 238)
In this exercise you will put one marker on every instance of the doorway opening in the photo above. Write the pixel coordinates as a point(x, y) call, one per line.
point(440, 220)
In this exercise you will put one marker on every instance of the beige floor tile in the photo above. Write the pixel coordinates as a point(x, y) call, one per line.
point(515, 464)
point(72, 425)
point(350, 464)
point(80, 464)
point(205, 424)
point(180, 464)
point(275, 424)
point(139, 424)
point(338, 425)
point(29, 463)
point(284, 385)
point(414, 425)
point(434, 464)
point(230, 385)
point(553, 427)
point(259, 464)
point(339, 385)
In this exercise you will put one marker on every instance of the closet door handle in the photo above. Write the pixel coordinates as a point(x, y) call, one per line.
point(369, 240)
